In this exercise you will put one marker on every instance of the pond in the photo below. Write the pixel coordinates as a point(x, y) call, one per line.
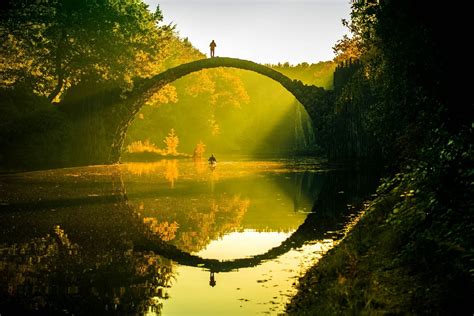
point(173, 237)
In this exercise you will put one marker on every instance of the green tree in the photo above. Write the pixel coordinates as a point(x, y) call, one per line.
point(404, 65)
point(52, 44)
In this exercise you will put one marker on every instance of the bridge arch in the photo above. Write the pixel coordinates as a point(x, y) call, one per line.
point(305, 232)
point(307, 95)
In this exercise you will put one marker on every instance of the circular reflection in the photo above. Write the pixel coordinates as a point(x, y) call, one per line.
point(237, 210)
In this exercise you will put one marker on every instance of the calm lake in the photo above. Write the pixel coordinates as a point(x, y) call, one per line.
point(173, 237)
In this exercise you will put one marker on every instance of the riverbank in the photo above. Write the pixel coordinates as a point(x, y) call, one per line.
point(410, 253)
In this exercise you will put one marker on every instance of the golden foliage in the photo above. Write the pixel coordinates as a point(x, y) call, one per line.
point(145, 168)
point(218, 219)
point(199, 150)
point(171, 171)
point(192, 224)
point(165, 95)
point(215, 129)
point(230, 90)
point(224, 87)
point(15, 63)
point(200, 83)
point(347, 48)
point(172, 142)
point(165, 230)
point(145, 146)
point(200, 166)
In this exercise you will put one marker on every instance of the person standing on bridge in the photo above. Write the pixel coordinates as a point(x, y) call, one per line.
point(213, 46)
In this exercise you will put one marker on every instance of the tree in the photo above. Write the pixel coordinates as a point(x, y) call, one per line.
point(54, 43)
point(347, 48)
point(199, 150)
point(172, 142)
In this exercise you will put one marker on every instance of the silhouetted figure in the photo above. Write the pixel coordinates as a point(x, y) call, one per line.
point(213, 48)
point(212, 160)
point(212, 281)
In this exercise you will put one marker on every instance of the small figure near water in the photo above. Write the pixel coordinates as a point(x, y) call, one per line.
point(212, 160)
point(213, 46)
point(212, 281)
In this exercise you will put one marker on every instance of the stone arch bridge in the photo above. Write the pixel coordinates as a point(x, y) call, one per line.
point(116, 115)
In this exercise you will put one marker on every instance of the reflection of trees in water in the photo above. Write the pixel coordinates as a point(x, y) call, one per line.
point(97, 268)
point(143, 168)
point(340, 195)
point(192, 223)
point(52, 274)
point(165, 230)
point(200, 166)
point(171, 171)
point(94, 268)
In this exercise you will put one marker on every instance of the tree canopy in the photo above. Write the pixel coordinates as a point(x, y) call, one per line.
point(52, 44)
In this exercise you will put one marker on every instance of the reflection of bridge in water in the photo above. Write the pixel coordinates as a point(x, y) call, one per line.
point(108, 248)
point(329, 214)
point(304, 233)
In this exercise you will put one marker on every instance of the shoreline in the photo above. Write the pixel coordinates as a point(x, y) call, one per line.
point(392, 262)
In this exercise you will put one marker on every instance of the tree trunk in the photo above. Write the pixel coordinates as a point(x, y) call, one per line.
point(59, 69)
point(59, 86)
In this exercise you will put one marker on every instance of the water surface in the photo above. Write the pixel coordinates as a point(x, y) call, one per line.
point(170, 237)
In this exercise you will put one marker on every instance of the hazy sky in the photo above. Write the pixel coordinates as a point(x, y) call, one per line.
point(265, 31)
